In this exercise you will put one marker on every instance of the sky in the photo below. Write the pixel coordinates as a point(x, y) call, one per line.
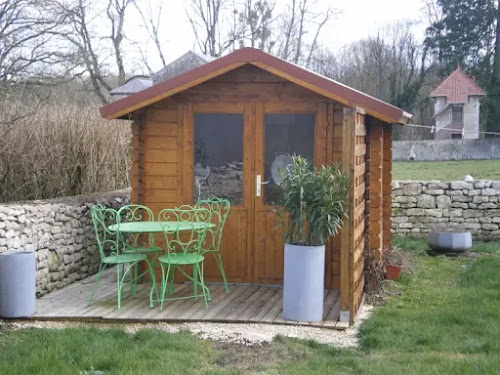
point(357, 19)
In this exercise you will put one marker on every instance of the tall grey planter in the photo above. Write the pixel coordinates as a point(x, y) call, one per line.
point(303, 283)
point(17, 284)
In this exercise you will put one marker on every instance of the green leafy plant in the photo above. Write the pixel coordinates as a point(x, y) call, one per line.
point(312, 202)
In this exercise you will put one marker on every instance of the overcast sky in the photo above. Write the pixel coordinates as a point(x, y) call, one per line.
point(357, 19)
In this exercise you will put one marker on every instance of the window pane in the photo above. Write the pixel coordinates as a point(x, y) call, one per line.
point(218, 156)
point(285, 134)
point(456, 114)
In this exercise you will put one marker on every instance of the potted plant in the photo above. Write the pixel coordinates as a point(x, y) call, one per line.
point(311, 208)
point(394, 261)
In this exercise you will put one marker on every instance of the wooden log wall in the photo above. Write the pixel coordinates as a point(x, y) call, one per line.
point(353, 232)
point(386, 186)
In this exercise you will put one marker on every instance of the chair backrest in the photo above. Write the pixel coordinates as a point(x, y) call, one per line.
point(181, 229)
point(107, 240)
point(219, 210)
point(133, 213)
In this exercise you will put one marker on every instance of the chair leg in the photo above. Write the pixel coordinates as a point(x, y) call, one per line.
point(197, 271)
point(102, 266)
point(133, 284)
point(171, 282)
point(119, 284)
point(195, 281)
point(164, 279)
point(153, 283)
point(218, 260)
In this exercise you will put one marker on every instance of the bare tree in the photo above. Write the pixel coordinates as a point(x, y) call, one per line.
point(294, 26)
point(255, 24)
point(205, 18)
point(151, 20)
point(116, 10)
point(25, 39)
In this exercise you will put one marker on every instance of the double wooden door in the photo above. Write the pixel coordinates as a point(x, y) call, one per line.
point(237, 149)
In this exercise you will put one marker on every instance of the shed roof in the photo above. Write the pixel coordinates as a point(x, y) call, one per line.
point(294, 73)
point(457, 88)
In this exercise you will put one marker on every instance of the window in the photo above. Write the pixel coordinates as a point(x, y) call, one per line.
point(218, 156)
point(286, 134)
point(456, 136)
point(456, 114)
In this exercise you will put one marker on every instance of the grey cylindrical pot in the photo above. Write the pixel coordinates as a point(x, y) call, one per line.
point(450, 241)
point(17, 284)
point(303, 283)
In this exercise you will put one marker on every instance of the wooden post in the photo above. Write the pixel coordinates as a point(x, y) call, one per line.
point(376, 189)
point(346, 231)
point(386, 186)
point(137, 159)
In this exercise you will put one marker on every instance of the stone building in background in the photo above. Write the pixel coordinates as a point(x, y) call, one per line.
point(457, 107)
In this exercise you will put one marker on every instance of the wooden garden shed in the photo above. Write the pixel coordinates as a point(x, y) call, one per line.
point(219, 129)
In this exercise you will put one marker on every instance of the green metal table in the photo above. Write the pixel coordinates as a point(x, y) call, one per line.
point(158, 226)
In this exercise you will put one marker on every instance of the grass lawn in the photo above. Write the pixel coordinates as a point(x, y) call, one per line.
point(446, 170)
point(443, 319)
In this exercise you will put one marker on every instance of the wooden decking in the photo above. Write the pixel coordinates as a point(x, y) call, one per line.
point(244, 304)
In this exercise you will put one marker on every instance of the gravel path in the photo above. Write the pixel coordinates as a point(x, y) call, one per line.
point(247, 334)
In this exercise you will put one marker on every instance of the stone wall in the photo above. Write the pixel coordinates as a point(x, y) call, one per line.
point(60, 231)
point(465, 149)
point(421, 206)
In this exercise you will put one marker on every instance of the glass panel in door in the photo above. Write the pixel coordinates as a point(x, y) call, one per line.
point(218, 156)
point(285, 135)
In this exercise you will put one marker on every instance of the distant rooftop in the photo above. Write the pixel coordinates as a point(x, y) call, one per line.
point(133, 85)
point(457, 88)
point(188, 61)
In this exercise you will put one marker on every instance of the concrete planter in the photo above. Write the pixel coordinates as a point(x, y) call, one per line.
point(450, 242)
point(303, 283)
point(17, 284)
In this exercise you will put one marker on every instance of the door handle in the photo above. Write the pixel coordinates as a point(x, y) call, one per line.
point(258, 185)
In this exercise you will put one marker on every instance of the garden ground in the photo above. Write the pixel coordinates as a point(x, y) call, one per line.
point(446, 170)
point(442, 318)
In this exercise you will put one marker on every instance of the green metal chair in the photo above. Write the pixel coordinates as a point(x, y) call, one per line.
point(184, 230)
point(112, 253)
point(219, 210)
point(142, 243)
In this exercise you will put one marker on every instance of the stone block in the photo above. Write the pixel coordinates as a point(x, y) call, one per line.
point(489, 226)
point(473, 192)
point(456, 185)
point(416, 212)
point(454, 192)
point(426, 201)
point(453, 213)
point(437, 186)
point(480, 199)
point(488, 205)
point(495, 185)
point(404, 199)
point(397, 192)
point(461, 198)
point(412, 188)
point(492, 213)
point(472, 213)
point(489, 191)
point(459, 205)
point(434, 212)
point(482, 184)
point(443, 201)
point(434, 191)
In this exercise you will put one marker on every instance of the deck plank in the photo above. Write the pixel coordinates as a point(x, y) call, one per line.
point(244, 303)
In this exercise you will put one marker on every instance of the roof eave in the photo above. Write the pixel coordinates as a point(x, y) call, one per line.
point(303, 77)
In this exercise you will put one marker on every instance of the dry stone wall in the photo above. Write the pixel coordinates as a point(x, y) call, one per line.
point(421, 206)
point(60, 231)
